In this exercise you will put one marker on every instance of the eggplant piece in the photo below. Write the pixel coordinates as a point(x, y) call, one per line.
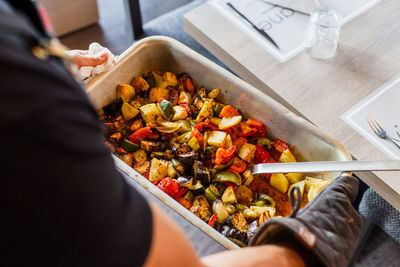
point(187, 160)
point(201, 173)
point(219, 187)
point(236, 236)
point(114, 108)
point(191, 184)
point(238, 220)
point(201, 208)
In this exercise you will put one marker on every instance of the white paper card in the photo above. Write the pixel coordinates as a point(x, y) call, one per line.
point(285, 26)
point(384, 106)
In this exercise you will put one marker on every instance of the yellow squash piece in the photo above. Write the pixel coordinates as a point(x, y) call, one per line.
point(229, 122)
point(194, 144)
point(279, 182)
point(140, 155)
point(128, 112)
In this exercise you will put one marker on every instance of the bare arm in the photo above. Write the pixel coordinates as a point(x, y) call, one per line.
point(170, 247)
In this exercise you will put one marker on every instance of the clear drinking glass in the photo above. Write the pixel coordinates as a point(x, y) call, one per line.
point(322, 34)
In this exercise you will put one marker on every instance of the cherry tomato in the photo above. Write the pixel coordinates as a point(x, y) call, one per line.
point(171, 187)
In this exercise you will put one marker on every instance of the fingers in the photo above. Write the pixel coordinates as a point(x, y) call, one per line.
point(82, 58)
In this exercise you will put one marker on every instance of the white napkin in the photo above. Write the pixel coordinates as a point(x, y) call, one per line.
point(304, 6)
point(86, 73)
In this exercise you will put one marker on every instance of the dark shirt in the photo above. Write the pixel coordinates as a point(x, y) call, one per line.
point(62, 201)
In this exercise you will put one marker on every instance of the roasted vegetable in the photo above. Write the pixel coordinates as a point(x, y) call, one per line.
point(201, 173)
point(220, 210)
point(150, 113)
point(140, 155)
point(279, 182)
point(287, 156)
point(128, 112)
point(169, 79)
point(210, 195)
point(248, 177)
point(214, 93)
point(180, 113)
point(269, 201)
point(247, 152)
point(217, 138)
point(201, 208)
point(205, 112)
point(158, 93)
point(168, 127)
point(227, 176)
point(140, 84)
point(167, 109)
point(126, 92)
point(194, 144)
point(228, 122)
point(239, 221)
point(129, 146)
point(229, 195)
point(158, 170)
point(294, 177)
point(244, 195)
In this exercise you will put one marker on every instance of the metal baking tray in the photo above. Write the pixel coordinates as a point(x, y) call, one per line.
point(163, 53)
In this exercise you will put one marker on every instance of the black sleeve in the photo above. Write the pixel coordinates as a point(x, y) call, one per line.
point(62, 201)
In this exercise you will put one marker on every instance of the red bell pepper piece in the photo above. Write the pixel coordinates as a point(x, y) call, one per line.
point(195, 133)
point(279, 145)
point(245, 130)
point(142, 134)
point(262, 155)
point(239, 167)
point(224, 155)
point(186, 83)
point(171, 187)
point(257, 125)
point(212, 220)
point(239, 142)
point(206, 126)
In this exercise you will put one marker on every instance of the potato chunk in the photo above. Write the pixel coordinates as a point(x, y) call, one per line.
point(287, 156)
point(279, 182)
point(217, 138)
point(157, 93)
point(158, 170)
point(247, 152)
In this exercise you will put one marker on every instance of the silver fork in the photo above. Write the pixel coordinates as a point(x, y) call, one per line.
point(379, 131)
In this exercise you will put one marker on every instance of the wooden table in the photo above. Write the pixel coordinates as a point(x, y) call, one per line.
point(321, 91)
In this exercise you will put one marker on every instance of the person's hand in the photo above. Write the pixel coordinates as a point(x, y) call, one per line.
point(82, 58)
point(325, 232)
